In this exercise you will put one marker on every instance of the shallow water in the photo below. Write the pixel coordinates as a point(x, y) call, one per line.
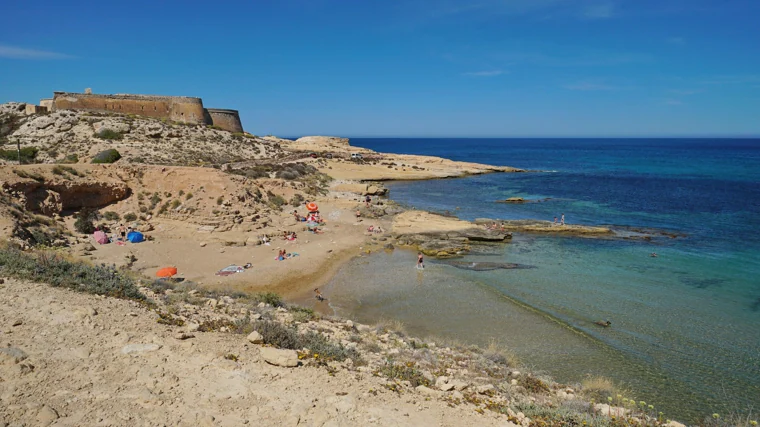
point(685, 326)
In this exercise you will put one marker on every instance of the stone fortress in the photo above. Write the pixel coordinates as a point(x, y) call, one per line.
point(181, 109)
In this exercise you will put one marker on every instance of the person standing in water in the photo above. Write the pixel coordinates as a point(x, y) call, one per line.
point(420, 263)
point(562, 219)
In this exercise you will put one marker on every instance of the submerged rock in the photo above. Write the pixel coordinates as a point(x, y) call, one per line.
point(486, 266)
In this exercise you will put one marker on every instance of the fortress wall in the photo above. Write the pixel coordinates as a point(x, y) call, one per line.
point(180, 109)
point(47, 103)
point(225, 119)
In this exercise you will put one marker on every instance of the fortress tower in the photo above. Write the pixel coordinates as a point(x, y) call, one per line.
point(182, 109)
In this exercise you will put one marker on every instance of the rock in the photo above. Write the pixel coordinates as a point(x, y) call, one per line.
point(203, 244)
point(674, 424)
point(11, 355)
point(192, 326)
point(515, 373)
point(255, 338)
point(139, 348)
point(429, 391)
point(484, 389)
point(43, 122)
point(459, 385)
point(183, 335)
point(446, 387)
point(457, 395)
point(279, 357)
point(513, 382)
point(17, 322)
point(46, 416)
point(611, 411)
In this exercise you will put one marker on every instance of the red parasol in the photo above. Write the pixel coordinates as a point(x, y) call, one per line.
point(312, 207)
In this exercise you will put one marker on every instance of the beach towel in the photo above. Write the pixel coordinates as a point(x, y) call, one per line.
point(230, 270)
point(100, 237)
point(135, 237)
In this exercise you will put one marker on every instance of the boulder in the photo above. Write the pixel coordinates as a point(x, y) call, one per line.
point(279, 357)
point(255, 338)
point(46, 416)
point(428, 391)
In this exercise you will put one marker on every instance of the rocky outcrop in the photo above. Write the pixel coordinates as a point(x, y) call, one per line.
point(279, 357)
point(535, 226)
point(322, 140)
point(441, 236)
point(361, 188)
point(54, 196)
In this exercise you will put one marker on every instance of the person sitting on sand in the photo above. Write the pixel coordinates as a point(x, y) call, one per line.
point(298, 218)
point(371, 228)
point(318, 295)
point(281, 255)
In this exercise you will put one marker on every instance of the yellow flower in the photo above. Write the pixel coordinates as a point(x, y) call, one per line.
point(753, 423)
point(716, 416)
point(650, 407)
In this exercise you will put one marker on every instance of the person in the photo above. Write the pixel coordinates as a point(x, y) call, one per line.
point(653, 255)
point(281, 255)
point(298, 217)
point(604, 324)
point(562, 220)
point(318, 295)
point(368, 200)
point(122, 232)
point(264, 240)
point(420, 261)
point(555, 220)
point(358, 215)
point(371, 228)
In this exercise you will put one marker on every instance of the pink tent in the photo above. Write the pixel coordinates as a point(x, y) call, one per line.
point(100, 237)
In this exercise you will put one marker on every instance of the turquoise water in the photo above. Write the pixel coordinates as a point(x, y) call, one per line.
point(685, 326)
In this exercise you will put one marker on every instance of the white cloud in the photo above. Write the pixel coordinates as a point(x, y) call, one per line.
point(491, 73)
point(13, 52)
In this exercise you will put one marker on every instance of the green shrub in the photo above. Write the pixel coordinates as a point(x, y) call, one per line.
point(28, 154)
point(71, 158)
point(188, 196)
point(84, 222)
point(107, 156)
point(282, 336)
point(130, 217)
point(30, 174)
point(270, 298)
point(297, 200)
point(403, 372)
point(276, 200)
point(109, 134)
point(219, 200)
point(59, 272)
point(111, 216)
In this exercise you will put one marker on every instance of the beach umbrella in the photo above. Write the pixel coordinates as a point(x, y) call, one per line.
point(135, 237)
point(100, 237)
point(312, 207)
point(166, 272)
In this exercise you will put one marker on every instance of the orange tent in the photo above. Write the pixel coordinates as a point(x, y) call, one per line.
point(312, 207)
point(166, 272)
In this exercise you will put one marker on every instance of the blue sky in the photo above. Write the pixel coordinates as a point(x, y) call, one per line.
point(491, 68)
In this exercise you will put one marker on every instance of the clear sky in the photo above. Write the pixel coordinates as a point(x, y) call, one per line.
point(486, 68)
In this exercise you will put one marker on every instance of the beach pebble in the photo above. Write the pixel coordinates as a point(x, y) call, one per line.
point(183, 335)
point(203, 244)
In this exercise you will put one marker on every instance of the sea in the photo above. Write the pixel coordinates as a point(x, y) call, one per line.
point(685, 325)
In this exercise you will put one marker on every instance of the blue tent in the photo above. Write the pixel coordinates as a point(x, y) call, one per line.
point(135, 237)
